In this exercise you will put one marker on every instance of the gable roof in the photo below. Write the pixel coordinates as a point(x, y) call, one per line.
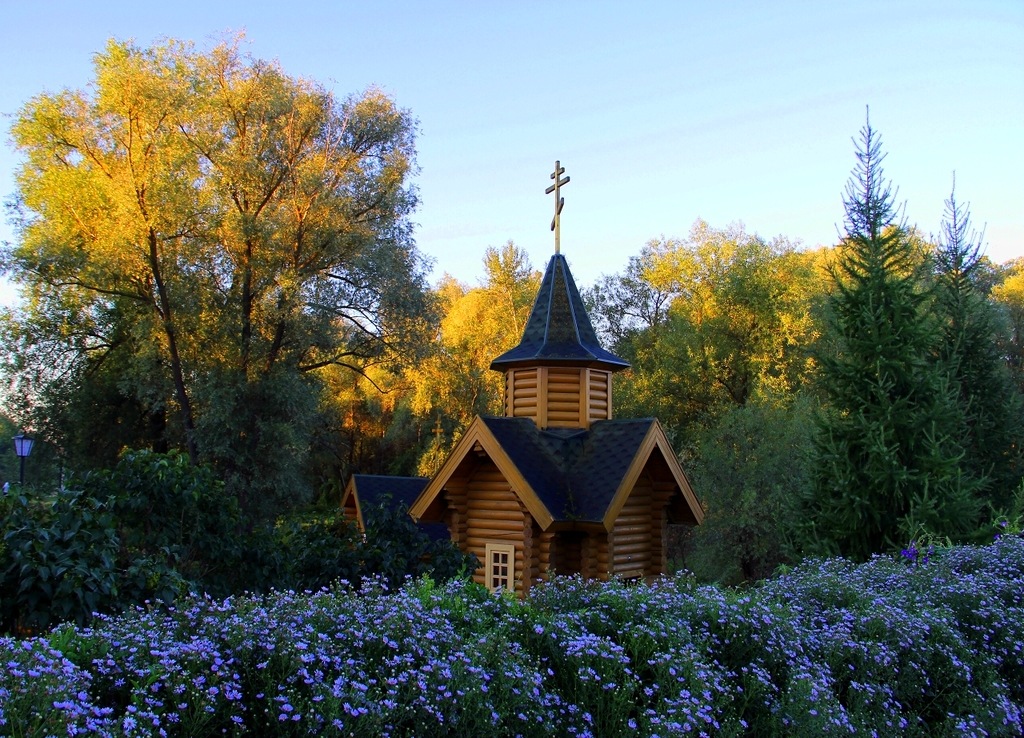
point(566, 474)
point(369, 493)
point(559, 329)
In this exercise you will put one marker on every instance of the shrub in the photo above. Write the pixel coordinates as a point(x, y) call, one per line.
point(750, 465)
point(396, 548)
point(155, 527)
point(59, 560)
point(152, 528)
point(174, 514)
point(315, 549)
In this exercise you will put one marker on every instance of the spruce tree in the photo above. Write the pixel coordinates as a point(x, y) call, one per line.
point(887, 458)
point(989, 404)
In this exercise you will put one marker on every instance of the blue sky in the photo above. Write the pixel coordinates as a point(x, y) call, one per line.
point(661, 112)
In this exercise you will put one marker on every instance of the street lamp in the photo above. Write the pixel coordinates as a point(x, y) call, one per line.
point(22, 447)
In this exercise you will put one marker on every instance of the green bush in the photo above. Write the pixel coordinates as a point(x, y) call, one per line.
point(152, 528)
point(396, 548)
point(174, 515)
point(750, 467)
point(155, 527)
point(313, 550)
point(59, 560)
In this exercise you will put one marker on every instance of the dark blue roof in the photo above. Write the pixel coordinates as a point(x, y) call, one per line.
point(558, 330)
point(574, 472)
point(374, 489)
point(377, 491)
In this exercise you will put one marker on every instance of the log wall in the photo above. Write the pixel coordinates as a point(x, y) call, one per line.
point(522, 393)
point(495, 515)
point(455, 510)
point(599, 395)
point(663, 492)
point(637, 534)
point(569, 556)
point(561, 397)
point(600, 546)
point(349, 510)
point(545, 553)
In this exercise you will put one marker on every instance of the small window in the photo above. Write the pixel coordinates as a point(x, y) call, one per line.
point(500, 566)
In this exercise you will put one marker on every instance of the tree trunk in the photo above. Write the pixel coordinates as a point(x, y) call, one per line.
point(178, 375)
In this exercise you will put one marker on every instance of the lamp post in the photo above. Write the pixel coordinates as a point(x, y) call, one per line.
point(22, 447)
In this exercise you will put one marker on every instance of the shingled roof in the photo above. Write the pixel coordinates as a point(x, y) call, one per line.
point(559, 330)
point(374, 492)
point(576, 475)
point(574, 472)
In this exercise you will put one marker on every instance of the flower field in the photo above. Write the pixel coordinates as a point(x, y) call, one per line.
point(885, 648)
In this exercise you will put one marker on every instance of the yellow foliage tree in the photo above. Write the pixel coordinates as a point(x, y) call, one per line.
point(1009, 294)
point(455, 384)
point(735, 318)
point(218, 232)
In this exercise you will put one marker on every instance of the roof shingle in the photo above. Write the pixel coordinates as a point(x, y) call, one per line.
point(574, 472)
point(559, 330)
point(381, 491)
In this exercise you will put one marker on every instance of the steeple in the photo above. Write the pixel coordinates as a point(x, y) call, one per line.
point(559, 331)
point(558, 374)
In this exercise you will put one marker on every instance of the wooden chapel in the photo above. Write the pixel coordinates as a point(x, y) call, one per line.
point(557, 485)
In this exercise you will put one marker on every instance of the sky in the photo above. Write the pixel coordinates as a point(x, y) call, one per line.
point(660, 112)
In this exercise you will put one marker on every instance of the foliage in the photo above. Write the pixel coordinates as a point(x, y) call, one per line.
point(9, 464)
point(456, 382)
point(1008, 295)
point(621, 306)
point(887, 459)
point(750, 470)
point(164, 509)
point(396, 548)
point(887, 648)
point(1012, 521)
point(261, 425)
point(309, 551)
point(198, 233)
point(708, 323)
point(990, 405)
point(44, 467)
point(59, 560)
point(316, 548)
point(365, 427)
point(151, 528)
point(155, 528)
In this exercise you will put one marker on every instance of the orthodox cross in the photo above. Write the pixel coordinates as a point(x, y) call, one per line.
point(559, 200)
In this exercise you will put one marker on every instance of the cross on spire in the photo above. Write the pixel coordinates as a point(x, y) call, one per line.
point(559, 200)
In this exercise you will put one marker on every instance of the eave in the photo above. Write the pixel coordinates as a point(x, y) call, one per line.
point(656, 439)
point(479, 433)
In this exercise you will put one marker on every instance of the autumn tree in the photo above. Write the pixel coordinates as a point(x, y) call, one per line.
point(622, 306)
point(1008, 295)
point(707, 323)
point(208, 234)
point(887, 459)
point(456, 383)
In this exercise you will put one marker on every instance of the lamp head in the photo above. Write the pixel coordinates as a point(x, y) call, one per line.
point(23, 445)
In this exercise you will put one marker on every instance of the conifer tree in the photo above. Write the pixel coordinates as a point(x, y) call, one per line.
point(988, 401)
point(887, 457)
